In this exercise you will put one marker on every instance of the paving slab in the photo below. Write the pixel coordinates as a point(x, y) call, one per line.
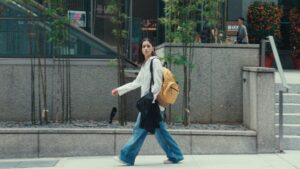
point(287, 160)
point(40, 163)
point(28, 164)
point(291, 157)
point(8, 164)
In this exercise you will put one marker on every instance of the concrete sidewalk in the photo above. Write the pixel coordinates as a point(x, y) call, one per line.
point(287, 160)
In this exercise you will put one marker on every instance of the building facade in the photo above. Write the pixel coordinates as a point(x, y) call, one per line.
point(93, 17)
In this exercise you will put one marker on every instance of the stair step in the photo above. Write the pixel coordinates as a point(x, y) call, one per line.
point(295, 88)
point(288, 118)
point(289, 129)
point(289, 98)
point(288, 107)
point(290, 142)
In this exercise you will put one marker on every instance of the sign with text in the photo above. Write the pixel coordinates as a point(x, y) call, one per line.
point(149, 25)
point(231, 28)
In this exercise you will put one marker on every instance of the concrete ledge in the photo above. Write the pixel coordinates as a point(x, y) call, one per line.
point(223, 144)
point(64, 142)
point(209, 45)
point(50, 61)
point(75, 131)
point(223, 132)
point(259, 69)
point(120, 131)
point(61, 145)
point(19, 131)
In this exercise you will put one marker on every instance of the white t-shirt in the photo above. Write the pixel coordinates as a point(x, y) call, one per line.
point(143, 80)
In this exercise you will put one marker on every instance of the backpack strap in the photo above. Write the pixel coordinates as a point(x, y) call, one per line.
point(151, 71)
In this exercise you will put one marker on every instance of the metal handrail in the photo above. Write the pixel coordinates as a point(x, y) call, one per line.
point(283, 81)
point(277, 59)
point(278, 63)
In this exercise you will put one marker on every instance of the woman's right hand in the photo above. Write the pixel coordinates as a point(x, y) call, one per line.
point(114, 92)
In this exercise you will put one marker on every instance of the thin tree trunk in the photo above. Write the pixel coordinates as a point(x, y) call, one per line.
point(185, 89)
point(120, 80)
point(32, 63)
point(45, 70)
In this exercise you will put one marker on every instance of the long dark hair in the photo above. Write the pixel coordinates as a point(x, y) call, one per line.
point(141, 57)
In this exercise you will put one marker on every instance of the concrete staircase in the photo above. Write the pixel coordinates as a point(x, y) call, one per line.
point(291, 117)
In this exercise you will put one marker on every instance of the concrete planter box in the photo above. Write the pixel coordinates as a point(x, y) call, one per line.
point(216, 85)
point(91, 84)
point(43, 142)
point(216, 80)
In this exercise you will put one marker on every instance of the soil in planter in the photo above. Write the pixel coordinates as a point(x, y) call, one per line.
point(115, 124)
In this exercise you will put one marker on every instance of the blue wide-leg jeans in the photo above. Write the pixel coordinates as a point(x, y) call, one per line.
point(131, 149)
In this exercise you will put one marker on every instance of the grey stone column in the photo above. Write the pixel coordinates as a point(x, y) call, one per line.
point(258, 105)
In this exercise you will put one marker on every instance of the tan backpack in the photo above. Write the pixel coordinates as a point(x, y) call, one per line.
point(169, 89)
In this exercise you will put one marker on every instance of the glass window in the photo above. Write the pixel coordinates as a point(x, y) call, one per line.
point(24, 35)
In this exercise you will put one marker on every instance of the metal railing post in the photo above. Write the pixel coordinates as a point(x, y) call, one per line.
point(281, 91)
point(280, 120)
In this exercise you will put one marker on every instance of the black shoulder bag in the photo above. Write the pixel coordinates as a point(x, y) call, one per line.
point(150, 112)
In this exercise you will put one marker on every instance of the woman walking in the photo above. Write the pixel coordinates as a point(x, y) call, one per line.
point(130, 150)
